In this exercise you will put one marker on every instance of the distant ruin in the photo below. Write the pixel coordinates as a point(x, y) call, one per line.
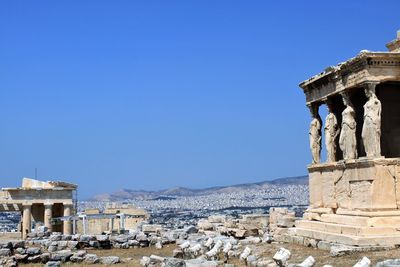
point(53, 205)
point(40, 202)
point(355, 194)
point(115, 218)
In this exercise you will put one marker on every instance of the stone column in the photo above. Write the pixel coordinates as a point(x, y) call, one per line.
point(48, 215)
point(315, 134)
point(331, 133)
point(26, 220)
point(84, 224)
point(111, 225)
point(347, 137)
point(67, 227)
point(122, 222)
point(371, 131)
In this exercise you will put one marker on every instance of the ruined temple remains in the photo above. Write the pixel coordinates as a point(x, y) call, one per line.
point(355, 192)
point(116, 218)
point(39, 202)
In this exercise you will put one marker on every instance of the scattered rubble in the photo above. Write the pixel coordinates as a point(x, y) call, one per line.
point(215, 241)
point(281, 257)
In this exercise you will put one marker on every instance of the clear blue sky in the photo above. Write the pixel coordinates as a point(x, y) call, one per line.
point(156, 94)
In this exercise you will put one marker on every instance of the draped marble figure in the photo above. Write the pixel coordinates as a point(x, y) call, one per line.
point(315, 135)
point(371, 131)
point(331, 133)
point(347, 138)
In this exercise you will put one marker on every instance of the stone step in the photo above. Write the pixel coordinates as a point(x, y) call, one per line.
point(345, 219)
point(347, 229)
point(348, 239)
point(355, 220)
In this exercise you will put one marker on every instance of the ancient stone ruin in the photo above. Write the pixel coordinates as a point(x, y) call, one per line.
point(113, 219)
point(355, 193)
point(40, 202)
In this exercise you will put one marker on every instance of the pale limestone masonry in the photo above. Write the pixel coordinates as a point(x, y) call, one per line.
point(40, 202)
point(115, 218)
point(355, 194)
point(280, 222)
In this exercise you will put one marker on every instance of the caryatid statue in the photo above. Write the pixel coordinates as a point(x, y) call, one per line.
point(315, 135)
point(347, 138)
point(331, 133)
point(371, 131)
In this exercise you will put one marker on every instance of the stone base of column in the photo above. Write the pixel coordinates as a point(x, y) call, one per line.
point(354, 203)
point(383, 233)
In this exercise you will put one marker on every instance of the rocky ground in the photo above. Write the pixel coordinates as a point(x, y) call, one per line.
point(253, 240)
point(133, 254)
point(298, 254)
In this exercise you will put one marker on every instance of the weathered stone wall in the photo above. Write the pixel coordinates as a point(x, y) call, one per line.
point(359, 185)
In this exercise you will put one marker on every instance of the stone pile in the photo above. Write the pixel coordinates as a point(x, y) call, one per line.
point(248, 225)
point(55, 248)
point(280, 221)
point(151, 235)
point(210, 248)
point(221, 238)
point(13, 253)
point(217, 250)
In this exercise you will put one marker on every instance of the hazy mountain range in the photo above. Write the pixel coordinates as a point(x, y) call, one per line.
point(126, 194)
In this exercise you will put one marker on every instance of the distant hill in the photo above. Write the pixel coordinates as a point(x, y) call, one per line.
point(126, 194)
